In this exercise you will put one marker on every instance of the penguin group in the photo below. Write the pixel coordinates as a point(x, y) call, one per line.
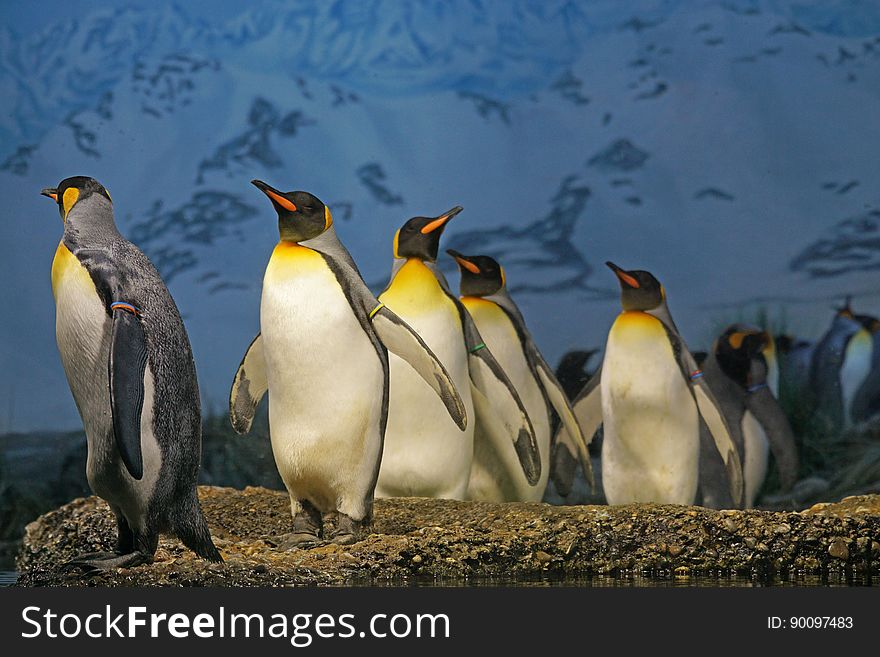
point(418, 391)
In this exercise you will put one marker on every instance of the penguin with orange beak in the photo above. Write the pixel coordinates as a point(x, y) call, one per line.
point(650, 396)
point(425, 454)
point(495, 474)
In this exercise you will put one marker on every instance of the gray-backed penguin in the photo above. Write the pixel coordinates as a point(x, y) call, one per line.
point(496, 475)
point(130, 368)
point(425, 454)
point(322, 354)
point(650, 395)
point(737, 373)
point(840, 363)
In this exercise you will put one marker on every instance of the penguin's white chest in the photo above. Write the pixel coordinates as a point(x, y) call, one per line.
point(426, 454)
point(325, 381)
point(650, 450)
point(856, 366)
point(496, 474)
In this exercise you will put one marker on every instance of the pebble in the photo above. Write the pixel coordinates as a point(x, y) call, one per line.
point(782, 528)
point(838, 549)
point(417, 559)
point(542, 556)
point(674, 550)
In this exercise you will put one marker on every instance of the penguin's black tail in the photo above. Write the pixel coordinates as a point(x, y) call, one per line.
point(191, 527)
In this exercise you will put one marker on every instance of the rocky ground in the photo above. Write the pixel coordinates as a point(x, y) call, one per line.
point(422, 540)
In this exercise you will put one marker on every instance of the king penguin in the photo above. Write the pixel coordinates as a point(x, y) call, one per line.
point(737, 372)
point(130, 368)
point(496, 475)
point(650, 395)
point(866, 401)
point(322, 354)
point(425, 455)
point(840, 363)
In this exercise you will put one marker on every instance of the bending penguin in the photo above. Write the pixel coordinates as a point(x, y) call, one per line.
point(738, 374)
point(425, 454)
point(651, 396)
point(130, 368)
point(496, 475)
point(322, 354)
point(840, 363)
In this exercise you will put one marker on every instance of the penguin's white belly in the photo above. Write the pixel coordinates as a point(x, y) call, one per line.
point(856, 366)
point(496, 473)
point(83, 334)
point(325, 384)
point(650, 451)
point(757, 449)
point(426, 454)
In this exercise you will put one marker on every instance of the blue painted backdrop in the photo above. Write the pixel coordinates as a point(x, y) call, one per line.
point(730, 147)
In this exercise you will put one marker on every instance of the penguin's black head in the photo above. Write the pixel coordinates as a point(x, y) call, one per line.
point(481, 276)
point(871, 323)
point(639, 290)
point(420, 236)
point(737, 348)
point(846, 309)
point(301, 216)
point(72, 190)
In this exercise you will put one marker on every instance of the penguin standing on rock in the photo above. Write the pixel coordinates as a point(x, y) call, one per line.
point(496, 476)
point(322, 354)
point(425, 454)
point(737, 372)
point(130, 367)
point(650, 395)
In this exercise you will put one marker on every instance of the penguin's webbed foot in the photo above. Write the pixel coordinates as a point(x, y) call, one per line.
point(307, 529)
point(346, 530)
point(95, 562)
point(298, 540)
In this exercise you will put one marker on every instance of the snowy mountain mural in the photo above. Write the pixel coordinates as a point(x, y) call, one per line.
point(729, 147)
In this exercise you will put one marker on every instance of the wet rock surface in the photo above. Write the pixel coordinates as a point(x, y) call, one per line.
point(422, 540)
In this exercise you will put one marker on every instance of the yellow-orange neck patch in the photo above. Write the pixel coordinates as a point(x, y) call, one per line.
point(71, 196)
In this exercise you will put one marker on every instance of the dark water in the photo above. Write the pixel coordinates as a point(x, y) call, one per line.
point(8, 578)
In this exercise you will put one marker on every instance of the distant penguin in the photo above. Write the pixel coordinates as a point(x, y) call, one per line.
point(793, 356)
point(425, 454)
point(322, 354)
point(130, 367)
point(737, 373)
point(496, 474)
point(866, 401)
point(840, 363)
point(571, 371)
point(650, 395)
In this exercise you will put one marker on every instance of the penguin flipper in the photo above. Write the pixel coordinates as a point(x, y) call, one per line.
point(710, 411)
point(128, 363)
point(572, 435)
point(401, 340)
point(503, 401)
point(587, 409)
point(248, 387)
point(767, 412)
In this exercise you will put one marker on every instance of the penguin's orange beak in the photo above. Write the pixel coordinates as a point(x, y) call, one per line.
point(51, 192)
point(624, 277)
point(440, 221)
point(463, 262)
point(274, 195)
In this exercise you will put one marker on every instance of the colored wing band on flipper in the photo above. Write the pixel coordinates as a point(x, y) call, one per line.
point(248, 387)
point(127, 366)
point(401, 340)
